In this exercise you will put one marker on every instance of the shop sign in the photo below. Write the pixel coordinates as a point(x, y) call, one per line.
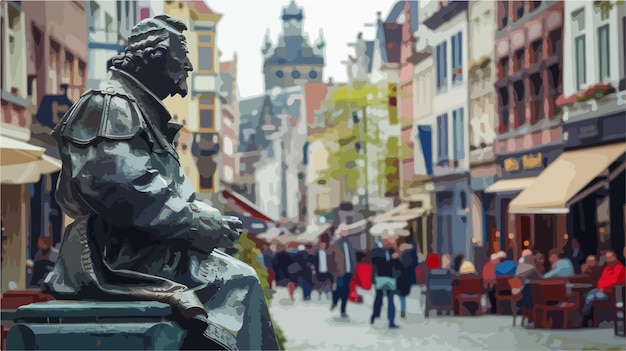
point(530, 161)
point(511, 164)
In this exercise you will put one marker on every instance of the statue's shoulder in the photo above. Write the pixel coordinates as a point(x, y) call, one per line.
point(110, 112)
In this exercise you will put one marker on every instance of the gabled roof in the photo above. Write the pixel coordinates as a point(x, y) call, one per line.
point(389, 33)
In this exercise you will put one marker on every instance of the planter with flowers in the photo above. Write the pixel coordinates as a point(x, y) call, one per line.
point(595, 92)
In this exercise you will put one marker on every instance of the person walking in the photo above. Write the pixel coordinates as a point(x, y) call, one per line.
point(346, 261)
point(385, 271)
point(404, 281)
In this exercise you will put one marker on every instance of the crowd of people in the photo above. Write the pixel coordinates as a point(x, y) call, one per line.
point(329, 267)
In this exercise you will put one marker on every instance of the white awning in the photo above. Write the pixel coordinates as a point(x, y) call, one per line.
point(312, 233)
point(351, 229)
point(23, 163)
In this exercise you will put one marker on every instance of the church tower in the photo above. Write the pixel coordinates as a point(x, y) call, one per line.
point(293, 58)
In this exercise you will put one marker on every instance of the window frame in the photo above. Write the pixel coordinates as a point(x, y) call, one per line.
point(606, 55)
point(204, 45)
point(206, 107)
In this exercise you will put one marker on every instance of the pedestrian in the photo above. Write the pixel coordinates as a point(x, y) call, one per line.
point(386, 271)
point(407, 271)
point(324, 268)
point(305, 278)
point(346, 261)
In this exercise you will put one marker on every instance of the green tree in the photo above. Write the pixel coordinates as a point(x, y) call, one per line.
point(249, 254)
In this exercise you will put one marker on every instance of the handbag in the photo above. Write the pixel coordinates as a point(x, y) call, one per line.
point(385, 283)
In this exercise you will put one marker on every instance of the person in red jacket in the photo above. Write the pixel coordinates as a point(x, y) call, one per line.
point(613, 274)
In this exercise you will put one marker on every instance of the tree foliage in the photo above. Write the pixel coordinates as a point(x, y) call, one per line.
point(250, 254)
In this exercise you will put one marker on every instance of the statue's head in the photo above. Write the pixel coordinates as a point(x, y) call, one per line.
point(156, 55)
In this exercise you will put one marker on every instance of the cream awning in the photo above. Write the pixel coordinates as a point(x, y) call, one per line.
point(401, 213)
point(351, 229)
point(388, 229)
point(23, 163)
point(570, 173)
point(509, 185)
point(313, 233)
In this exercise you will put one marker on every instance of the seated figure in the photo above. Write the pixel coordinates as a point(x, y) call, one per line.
point(138, 232)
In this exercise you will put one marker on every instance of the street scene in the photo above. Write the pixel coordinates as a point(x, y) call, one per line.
point(313, 174)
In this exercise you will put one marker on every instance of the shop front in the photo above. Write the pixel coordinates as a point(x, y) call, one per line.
point(454, 227)
point(517, 172)
point(21, 165)
point(580, 195)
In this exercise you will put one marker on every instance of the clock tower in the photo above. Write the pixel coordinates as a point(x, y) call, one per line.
point(293, 59)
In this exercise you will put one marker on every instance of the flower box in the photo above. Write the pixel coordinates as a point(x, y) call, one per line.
point(595, 92)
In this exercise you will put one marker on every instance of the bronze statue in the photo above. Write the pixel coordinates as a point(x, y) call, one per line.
point(138, 232)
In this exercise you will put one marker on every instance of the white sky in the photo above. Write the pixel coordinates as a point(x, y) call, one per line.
point(243, 26)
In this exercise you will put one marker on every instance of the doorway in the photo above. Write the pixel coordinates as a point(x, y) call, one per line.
point(545, 226)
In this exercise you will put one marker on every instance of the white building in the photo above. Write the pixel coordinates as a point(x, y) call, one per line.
point(448, 22)
point(482, 118)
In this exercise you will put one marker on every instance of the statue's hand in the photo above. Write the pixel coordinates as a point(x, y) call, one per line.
point(213, 230)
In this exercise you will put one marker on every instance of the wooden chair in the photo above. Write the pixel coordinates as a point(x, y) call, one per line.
point(515, 283)
point(503, 292)
point(550, 296)
point(469, 289)
point(604, 305)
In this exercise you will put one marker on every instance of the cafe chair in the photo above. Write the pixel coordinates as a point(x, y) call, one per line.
point(469, 289)
point(550, 296)
point(503, 293)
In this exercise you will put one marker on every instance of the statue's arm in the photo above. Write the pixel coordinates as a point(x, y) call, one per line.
point(121, 182)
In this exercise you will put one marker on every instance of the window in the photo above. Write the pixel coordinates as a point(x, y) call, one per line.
point(205, 39)
point(537, 98)
point(580, 61)
point(458, 134)
point(207, 112)
point(533, 5)
point(503, 109)
point(604, 53)
point(457, 58)
point(503, 14)
point(312, 74)
point(206, 183)
point(555, 45)
point(503, 67)
point(279, 74)
point(442, 138)
point(67, 72)
point(205, 62)
point(536, 51)
point(127, 13)
point(518, 9)
point(442, 76)
point(520, 103)
point(519, 59)
point(54, 62)
point(295, 74)
point(555, 88)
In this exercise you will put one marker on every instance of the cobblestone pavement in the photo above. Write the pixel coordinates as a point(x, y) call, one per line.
point(310, 325)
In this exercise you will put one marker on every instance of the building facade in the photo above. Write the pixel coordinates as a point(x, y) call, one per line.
point(229, 92)
point(198, 112)
point(44, 70)
point(482, 126)
point(584, 186)
point(529, 58)
point(449, 25)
